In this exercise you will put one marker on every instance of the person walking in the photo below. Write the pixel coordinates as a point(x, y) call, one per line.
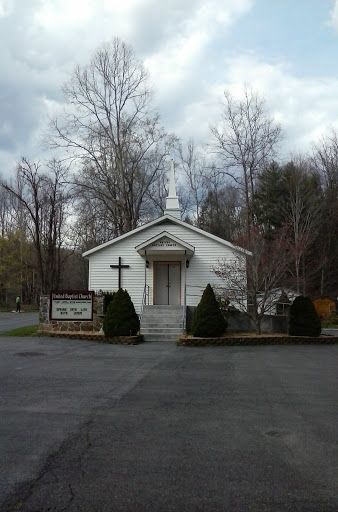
point(17, 300)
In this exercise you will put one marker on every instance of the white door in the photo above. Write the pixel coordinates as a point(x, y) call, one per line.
point(167, 283)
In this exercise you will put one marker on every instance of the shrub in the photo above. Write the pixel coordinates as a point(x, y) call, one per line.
point(107, 298)
point(121, 318)
point(304, 320)
point(208, 320)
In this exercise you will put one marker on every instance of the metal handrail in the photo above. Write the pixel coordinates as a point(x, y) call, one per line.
point(184, 319)
point(145, 299)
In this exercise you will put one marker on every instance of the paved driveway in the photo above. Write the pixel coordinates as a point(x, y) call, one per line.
point(92, 427)
point(9, 321)
point(330, 332)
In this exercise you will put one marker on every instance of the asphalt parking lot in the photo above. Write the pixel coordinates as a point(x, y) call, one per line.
point(155, 427)
point(12, 320)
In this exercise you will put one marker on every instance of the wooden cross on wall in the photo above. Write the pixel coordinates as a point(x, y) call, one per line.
point(119, 266)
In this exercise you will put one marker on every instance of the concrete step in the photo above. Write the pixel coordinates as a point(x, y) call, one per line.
point(161, 330)
point(165, 314)
point(157, 337)
point(162, 320)
point(162, 323)
point(161, 336)
point(154, 324)
point(163, 307)
point(163, 310)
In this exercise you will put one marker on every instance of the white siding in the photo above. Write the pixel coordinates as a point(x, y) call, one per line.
point(207, 254)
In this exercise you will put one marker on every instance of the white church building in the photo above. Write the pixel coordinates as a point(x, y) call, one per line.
point(164, 265)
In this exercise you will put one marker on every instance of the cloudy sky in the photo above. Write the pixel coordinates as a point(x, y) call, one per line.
point(194, 49)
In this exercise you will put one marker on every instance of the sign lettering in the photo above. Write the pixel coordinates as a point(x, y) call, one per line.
point(71, 305)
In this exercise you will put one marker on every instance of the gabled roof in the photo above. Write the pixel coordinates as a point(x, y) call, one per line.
point(190, 249)
point(161, 220)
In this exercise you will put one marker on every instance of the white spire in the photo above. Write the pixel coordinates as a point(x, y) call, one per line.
point(172, 206)
point(172, 187)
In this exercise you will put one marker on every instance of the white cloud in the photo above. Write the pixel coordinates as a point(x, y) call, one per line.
point(306, 107)
point(125, 7)
point(186, 46)
point(333, 19)
point(180, 67)
point(55, 15)
point(6, 7)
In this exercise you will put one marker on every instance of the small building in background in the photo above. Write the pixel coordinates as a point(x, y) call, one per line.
point(279, 301)
point(325, 306)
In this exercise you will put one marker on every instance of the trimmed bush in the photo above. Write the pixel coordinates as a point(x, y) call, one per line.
point(304, 320)
point(107, 298)
point(121, 318)
point(208, 321)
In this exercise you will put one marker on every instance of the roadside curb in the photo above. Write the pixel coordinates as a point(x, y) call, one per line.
point(256, 340)
point(116, 340)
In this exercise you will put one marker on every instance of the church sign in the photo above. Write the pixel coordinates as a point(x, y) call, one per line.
point(164, 243)
point(71, 305)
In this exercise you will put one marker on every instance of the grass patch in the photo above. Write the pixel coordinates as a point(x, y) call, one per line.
point(329, 324)
point(30, 330)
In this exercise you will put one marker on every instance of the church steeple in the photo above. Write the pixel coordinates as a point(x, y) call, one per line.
point(172, 206)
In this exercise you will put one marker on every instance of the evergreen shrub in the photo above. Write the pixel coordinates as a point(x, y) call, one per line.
point(121, 318)
point(107, 298)
point(208, 321)
point(304, 320)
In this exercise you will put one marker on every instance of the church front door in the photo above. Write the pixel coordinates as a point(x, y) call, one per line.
point(167, 283)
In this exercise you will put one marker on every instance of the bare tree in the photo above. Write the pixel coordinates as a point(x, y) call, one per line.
point(110, 128)
point(325, 161)
point(248, 284)
point(15, 253)
point(244, 140)
point(195, 187)
point(6, 212)
point(43, 197)
point(221, 212)
point(303, 216)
